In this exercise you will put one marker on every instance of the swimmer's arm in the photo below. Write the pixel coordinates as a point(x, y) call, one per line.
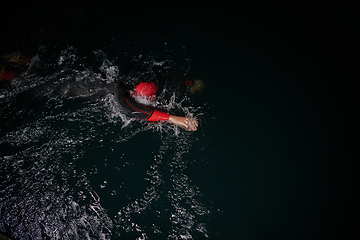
point(154, 115)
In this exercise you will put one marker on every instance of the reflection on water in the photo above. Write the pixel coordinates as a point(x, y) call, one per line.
point(73, 166)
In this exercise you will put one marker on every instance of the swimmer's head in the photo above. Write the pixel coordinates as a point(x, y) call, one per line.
point(146, 89)
point(145, 93)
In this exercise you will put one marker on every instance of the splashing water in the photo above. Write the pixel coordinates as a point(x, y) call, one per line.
point(74, 166)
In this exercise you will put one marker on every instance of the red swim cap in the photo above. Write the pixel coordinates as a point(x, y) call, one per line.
point(146, 89)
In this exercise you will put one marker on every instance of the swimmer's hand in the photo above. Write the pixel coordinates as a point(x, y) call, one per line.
point(189, 124)
point(197, 86)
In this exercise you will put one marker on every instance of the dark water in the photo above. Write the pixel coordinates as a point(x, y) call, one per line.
point(262, 164)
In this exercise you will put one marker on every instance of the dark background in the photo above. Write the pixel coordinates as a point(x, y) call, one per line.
point(321, 38)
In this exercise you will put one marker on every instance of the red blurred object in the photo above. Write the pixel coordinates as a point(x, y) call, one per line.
point(8, 75)
point(188, 82)
point(27, 62)
point(146, 89)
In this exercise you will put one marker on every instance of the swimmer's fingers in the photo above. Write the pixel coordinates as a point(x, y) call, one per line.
point(192, 124)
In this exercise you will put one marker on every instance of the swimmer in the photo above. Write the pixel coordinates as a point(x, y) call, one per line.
point(135, 103)
point(151, 114)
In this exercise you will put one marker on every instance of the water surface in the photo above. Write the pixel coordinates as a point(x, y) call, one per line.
point(73, 166)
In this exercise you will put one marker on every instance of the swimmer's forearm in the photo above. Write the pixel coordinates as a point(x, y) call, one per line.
point(188, 123)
